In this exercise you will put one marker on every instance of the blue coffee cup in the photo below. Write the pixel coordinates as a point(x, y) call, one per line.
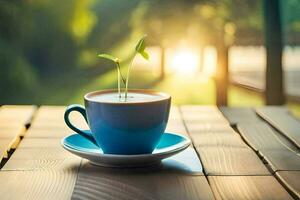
point(123, 128)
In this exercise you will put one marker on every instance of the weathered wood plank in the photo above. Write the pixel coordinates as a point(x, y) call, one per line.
point(12, 131)
point(47, 132)
point(147, 186)
point(197, 128)
point(13, 135)
point(260, 136)
point(50, 112)
point(40, 168)
point(39, 158)
point(58, 123)
point(39, 164)
point(231, 161)
point(291, 180)
point(11, 115)
point(186, 162)
point(176, 126)
point(175, 112)
point(200, 108)
point(141, 183)
point(282, 159)
point(52, 117)
point(247, 187)
point(13, 120)
point(277, 154)
point(237, 115)
point(221, 149)
point(5, 145)
point(203, 114)
point(49, 123)
point(220, 140)
point(39, 184)
point(10, 138)
point(40, 143)
point(195, 118)
point(281, 119)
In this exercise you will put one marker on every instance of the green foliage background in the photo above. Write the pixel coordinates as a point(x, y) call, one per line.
point(48, 48)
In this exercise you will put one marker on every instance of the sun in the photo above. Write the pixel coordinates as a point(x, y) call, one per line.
point(184, 61)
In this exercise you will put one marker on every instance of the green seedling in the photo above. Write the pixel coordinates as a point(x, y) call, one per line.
point(139, 49)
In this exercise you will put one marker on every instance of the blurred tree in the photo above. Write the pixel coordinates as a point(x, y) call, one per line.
point(47, 43)
point(273, 41)
point(206, 22)
point(290, 22)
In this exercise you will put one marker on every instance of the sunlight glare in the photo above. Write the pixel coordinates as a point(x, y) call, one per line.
point(185, 61)
point(210, 61)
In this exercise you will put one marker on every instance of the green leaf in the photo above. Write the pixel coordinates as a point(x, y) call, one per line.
point(140, 47)
point(145, 55)
point(109, 57)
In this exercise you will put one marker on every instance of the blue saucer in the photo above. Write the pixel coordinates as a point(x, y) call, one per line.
point(170, 144)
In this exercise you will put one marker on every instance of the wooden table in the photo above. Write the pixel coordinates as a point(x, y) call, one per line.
point(237, 153)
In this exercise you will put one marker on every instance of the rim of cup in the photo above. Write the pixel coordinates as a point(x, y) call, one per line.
point(164, 96)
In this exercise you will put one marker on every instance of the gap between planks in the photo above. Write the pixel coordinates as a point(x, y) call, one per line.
point(275, 149)
point(200, 132)
point(13, 123)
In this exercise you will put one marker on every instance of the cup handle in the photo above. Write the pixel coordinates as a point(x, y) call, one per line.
point(81, 110)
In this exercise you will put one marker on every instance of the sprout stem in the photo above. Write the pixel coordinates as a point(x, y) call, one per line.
point(127, 76)
point(119, 68)
point(119, 83)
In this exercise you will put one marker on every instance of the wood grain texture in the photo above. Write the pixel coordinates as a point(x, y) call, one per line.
point(291, 180)
point(247, 188)
point(282, 159)
point(5, 145)
point(40, 143)
point(237, 115)
point(50, 112)
point(231, 161)
point(281, 119)
point(217, 140)
point(39, 184)
point(200, 108)
point(41, 153)
point(141, 183)
point(38, 164)
point(198, 128)
point(13, 120)
point(10, 138)
point(58, 123)
point(39, 158)
point(40, 168)
point(175, 112)
point(176, 126)
point(13, 114)
point(12, 131)
point(276, 153)
point(203, 114)
point(8, 144)
point(52, 117)
point(260, 136)
point(285, 141)
point(48, 132)
point(185, 162)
